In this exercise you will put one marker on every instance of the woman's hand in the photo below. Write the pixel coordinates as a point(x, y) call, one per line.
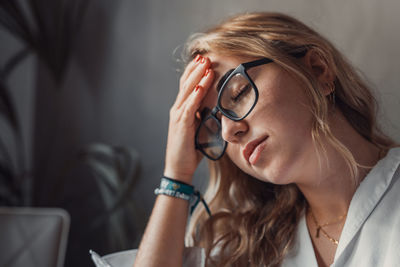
point(182, 158)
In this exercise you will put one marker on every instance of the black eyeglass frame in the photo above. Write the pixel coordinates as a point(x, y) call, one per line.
point(241, 69)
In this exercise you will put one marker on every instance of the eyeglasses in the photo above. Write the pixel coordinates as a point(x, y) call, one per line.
point(236, 99)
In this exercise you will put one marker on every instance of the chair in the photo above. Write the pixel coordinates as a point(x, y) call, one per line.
point(35, 237)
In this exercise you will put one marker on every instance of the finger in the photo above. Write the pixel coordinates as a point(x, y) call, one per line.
point(204, 85)
point(207, 79)
point(190, 67)
point(188, 85)
point(193, 102)
point(189, 81)
point(205, 82)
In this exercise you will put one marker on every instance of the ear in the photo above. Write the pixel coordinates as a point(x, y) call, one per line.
point(320, 69)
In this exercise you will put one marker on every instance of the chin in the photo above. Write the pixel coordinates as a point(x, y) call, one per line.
point(274, 179)
point(279, 175)
point(268, 170)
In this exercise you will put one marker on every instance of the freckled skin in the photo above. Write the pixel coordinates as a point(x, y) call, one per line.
point(281, 113)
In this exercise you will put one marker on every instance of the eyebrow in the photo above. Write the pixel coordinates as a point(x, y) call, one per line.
point(223, 78)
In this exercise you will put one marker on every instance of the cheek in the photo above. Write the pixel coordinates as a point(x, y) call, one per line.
point(233, 151)
point(290, 131)
point(235, 154)
point(285, 110)
point(294, 123)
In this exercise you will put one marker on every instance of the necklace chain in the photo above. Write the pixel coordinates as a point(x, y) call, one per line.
point(321, 229)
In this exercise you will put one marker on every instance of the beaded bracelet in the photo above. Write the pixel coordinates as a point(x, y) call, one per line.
point(178, 189)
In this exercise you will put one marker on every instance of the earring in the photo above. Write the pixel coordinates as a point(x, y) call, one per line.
point(331, 89)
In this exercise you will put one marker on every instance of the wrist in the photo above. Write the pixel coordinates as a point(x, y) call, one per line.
point(186, 178)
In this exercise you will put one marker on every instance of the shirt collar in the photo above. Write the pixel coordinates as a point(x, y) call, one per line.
point(367, 196)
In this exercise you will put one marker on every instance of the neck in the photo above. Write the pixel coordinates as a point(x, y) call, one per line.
point(329, 189)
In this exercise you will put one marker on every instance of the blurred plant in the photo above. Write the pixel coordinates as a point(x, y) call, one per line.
point(46, 29)
point(116, 170)
point(97, 190)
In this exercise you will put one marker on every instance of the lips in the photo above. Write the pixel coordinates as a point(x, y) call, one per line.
point(252, 147)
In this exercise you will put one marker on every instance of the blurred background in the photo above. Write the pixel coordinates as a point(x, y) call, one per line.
point(86, 88)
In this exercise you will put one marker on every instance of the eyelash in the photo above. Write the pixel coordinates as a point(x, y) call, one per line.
point(240, 92)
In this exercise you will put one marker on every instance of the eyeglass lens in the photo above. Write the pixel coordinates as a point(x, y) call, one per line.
point(238, 96)
point(209, 138)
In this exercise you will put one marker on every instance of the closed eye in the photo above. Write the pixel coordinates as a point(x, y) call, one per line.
point(240, 93)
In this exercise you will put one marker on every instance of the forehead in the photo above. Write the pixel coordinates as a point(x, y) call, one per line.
point(220, 64)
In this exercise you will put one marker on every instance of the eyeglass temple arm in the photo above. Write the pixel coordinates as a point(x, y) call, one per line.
point(257, 62)
point(265, 60)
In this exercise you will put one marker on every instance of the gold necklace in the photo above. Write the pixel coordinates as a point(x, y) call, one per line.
point(321, 229)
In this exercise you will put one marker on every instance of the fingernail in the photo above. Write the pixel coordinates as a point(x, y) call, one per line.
point(197, 58)
point(203, 59)
point(197, 88)
point(207, 72)
point(198, 115)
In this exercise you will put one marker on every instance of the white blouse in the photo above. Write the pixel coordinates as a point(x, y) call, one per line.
point(370, 236)
point(371, 233)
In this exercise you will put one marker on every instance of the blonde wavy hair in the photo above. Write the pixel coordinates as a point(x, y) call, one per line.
point(254, 223)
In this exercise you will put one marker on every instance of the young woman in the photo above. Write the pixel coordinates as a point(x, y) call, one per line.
point(300, 174)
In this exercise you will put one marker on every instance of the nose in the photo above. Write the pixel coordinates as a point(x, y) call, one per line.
point(232, 131)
